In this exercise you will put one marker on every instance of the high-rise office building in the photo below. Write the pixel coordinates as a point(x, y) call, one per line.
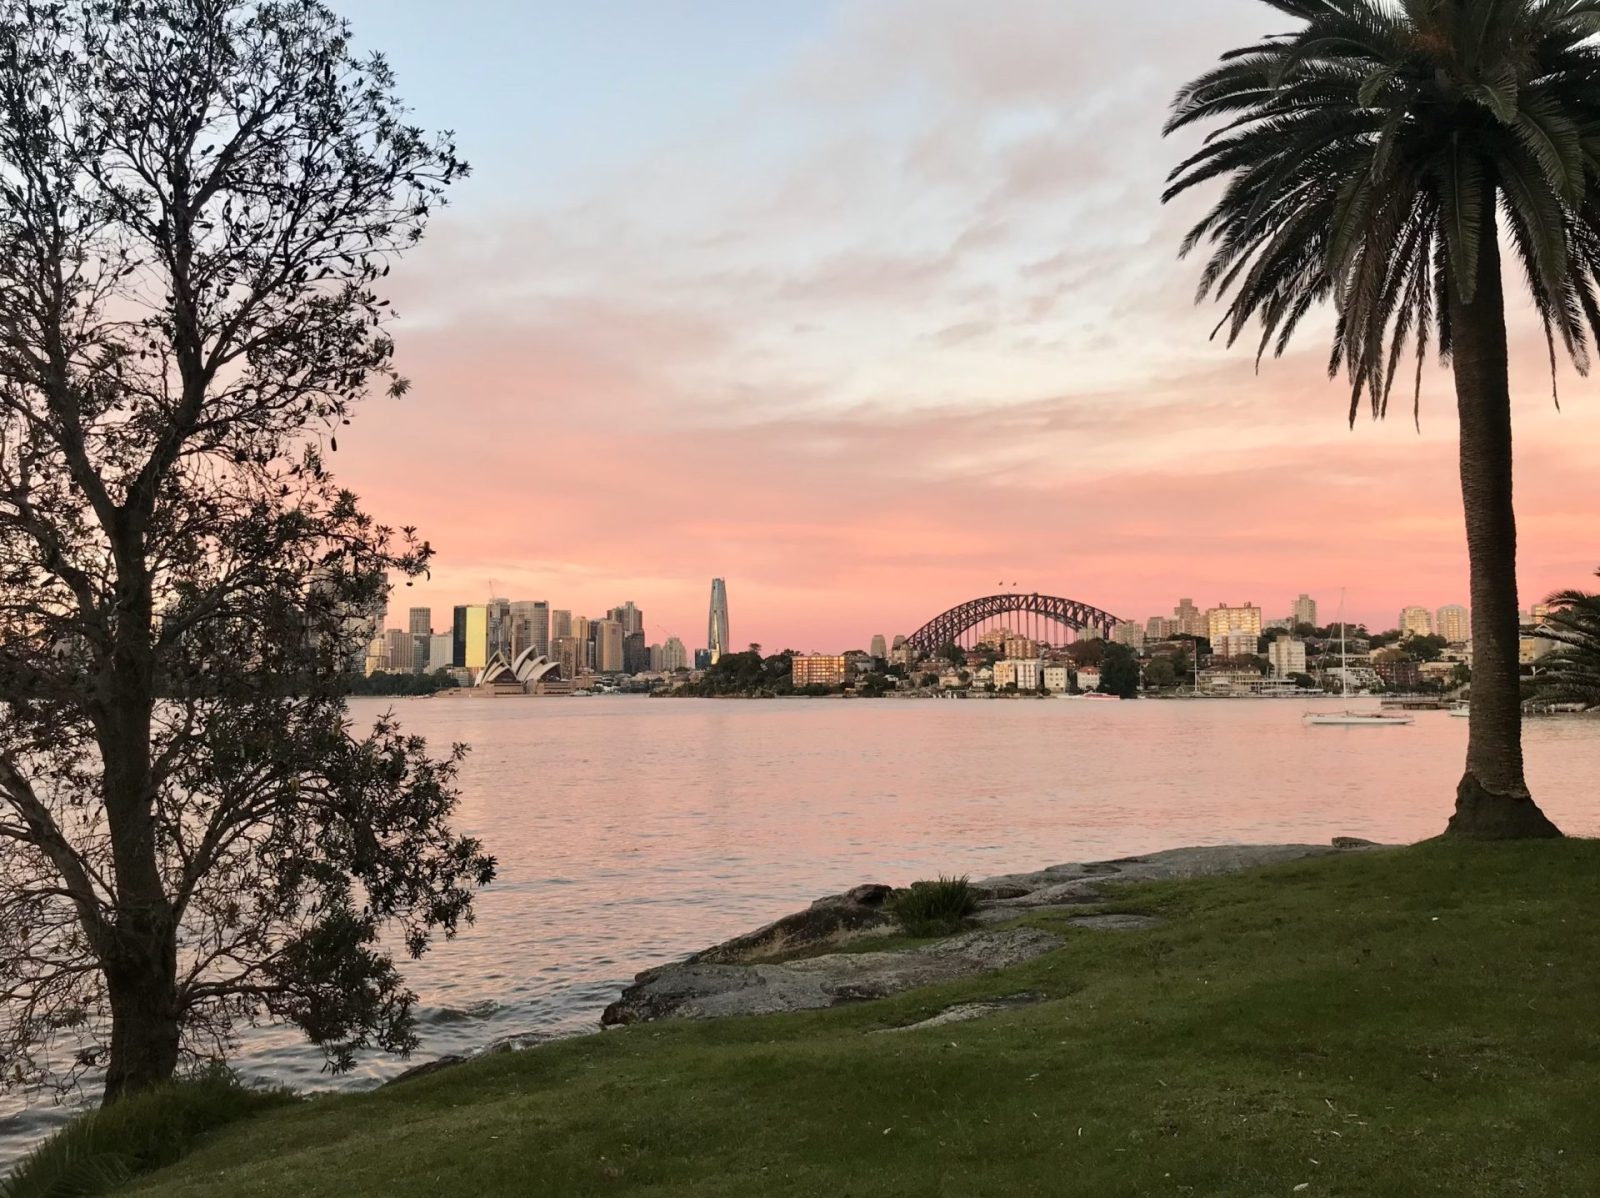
point(477, 637)
point(377, 656)
point(583, 632)
point(458, 637)
point(674, 656)
point(880, 647)
point(560, 623)
point(608, 647)
point(571, 653)
point(440, 651)
point(629, 616)
point(1415, 621)
point(1190, 619)
point(497, 613)
point(717, 625)
point(421, 631)
point(470, 633)
point(1305, 611)
point(359, 628)
point(1130, 633)
point(401, 651)
point(1454, 623)
point(635, 654)
point(530, 627)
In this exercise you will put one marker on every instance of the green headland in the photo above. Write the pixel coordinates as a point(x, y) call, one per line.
point(1415, 1021)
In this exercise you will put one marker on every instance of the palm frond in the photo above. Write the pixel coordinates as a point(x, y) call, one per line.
point(1366, 154)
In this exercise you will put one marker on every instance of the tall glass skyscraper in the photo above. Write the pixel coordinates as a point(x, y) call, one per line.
point(717, 630)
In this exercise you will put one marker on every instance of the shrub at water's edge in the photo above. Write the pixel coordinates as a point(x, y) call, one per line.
point(104, 1149)
point(935, 908)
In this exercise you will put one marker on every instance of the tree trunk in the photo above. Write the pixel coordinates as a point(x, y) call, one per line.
point(141, 956)
point(143, 991)
point(1492, 801)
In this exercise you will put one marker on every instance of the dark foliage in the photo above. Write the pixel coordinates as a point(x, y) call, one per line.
point(1119, 672)
point(198, 199)
point(746, 674)
point(385, 683)
point(1570, 674)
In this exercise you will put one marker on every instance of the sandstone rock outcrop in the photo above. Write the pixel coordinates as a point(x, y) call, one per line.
point(746, 975)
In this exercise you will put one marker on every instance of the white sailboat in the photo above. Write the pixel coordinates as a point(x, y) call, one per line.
point(1348, 718)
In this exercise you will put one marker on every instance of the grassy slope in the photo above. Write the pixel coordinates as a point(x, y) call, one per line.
point(1412, 1022)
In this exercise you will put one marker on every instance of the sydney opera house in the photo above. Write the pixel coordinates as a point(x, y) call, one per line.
point(529, 673)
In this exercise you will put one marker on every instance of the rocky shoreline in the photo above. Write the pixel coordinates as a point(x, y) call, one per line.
point(788, 965)
point(796, 963)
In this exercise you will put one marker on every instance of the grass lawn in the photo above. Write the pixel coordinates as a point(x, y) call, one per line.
point(1422, 1021)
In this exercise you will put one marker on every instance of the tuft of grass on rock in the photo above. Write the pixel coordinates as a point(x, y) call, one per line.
point(935, 908)
point(106, 1149)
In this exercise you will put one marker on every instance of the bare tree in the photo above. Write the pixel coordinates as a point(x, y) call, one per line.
point(197, 200)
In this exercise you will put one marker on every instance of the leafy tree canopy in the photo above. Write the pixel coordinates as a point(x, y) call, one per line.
point(198, 200)
point(1119, 671)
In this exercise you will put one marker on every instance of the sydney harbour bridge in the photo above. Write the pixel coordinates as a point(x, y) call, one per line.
point(1047, 619)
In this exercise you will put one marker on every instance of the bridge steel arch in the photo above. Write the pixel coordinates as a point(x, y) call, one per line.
point(948, 627)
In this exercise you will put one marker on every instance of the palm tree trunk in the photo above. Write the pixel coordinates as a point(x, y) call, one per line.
point(1492, 801)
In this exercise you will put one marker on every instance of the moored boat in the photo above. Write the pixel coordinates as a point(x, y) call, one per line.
point(1359, 719)
point(1353, 719)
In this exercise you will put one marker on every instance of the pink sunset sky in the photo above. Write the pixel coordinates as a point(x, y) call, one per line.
point(866, 307)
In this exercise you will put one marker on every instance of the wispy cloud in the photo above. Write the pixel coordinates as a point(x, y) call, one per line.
point(903, 320)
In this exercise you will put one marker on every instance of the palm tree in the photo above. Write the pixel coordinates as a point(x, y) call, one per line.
point(1379, 155)
point(1571, 674)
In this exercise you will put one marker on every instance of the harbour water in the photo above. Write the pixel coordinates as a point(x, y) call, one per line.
point(631, 831)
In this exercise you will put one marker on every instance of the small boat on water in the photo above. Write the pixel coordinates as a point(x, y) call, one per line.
point(1353, 719)
point(1358, 719)
point(1461, 711)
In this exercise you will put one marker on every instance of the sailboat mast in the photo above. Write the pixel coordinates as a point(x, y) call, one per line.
point(1344, 659)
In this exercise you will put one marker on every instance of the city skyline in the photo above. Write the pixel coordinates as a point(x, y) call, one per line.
point(1218, 623)
point(861, 417)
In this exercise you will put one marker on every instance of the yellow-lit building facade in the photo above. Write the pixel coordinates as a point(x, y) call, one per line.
point(477, 638)
point(817, 669)
point(1454, 623)
point(1222, 619)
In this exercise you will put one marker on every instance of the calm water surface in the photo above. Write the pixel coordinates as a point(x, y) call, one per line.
point(632, 831)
